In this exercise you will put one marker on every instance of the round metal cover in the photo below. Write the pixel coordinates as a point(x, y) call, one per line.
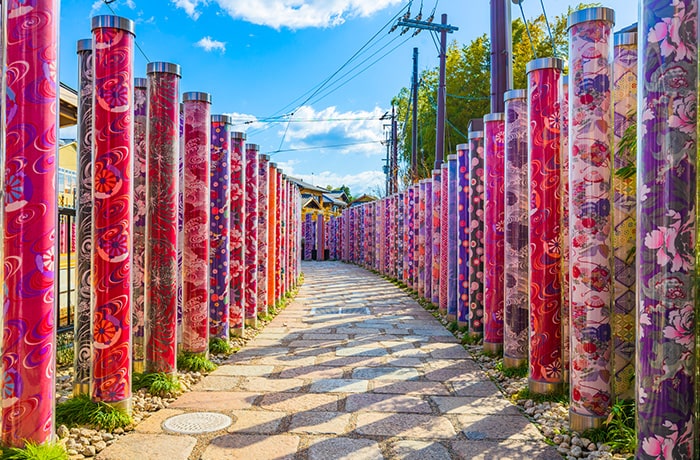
point(197, 423)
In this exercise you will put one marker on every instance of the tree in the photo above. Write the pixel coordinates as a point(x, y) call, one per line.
point(468, 87)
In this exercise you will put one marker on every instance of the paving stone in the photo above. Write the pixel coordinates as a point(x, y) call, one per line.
point(497, 427)
point(404, 362)
point(437, 331)
point(217, 383)
point(453, 352)
point(411, 387)
point(288, 360)
point(256, 421)
point(219, 401)
point(328, 344)
point(344, 449)
point(385, 373)
point(505, 450)
point(153, 423)
point(243, 370)
point(410, 353)
point(262, 351)
point(420, 450)
point(474, 388)
point(471, 405)
point(339, 386)
point(149, 447)
point(320, 423)
point(251, 447)
point(268, 385)
point(404, 425)
point(387, 403)
point(299, 402)
point(312, 372)
point(261, 342)
point(361, 351)
point(350, 361)
point(316, 336)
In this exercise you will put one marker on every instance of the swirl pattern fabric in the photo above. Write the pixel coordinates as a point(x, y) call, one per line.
point(564, 230)
point(251, 235)
point(428, 262)
point(112, 214)
point(516, 315)
point(30, 217)
point(272, 235)
point(436, 239)
point(262, 233)
point(139, 227)
point(476, 235)
point(195, 308)
point(237, 295)
point(666, 229)
point(162, 196)
point(452, 245)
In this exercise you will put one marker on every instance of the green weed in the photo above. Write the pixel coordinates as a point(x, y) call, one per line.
point(219, 346)
point(157, 383)
point(194, 362)
point(618, 430)
point(82, 411)
point(33, 451)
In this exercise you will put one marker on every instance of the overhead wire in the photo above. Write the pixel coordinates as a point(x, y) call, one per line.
point(527, 29)
point(326, 147)
point(549, 29)
point(108, 4)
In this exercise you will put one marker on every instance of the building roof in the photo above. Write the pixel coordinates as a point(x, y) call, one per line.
point(334, 200)
point(311, 203)
point(69, 105)
point(363, 199)
point(306, 186)
point(339, 194)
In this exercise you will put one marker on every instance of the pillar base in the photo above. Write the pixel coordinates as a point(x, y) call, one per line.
point(544, 388)
point(442, 311)
point(451, 317)
point(581, 423)
point(514, 363)
point(81, 389)
point(493, 348)
point(123, 405)
point(139, 366)
point(462, 324)
point(236, 332)
point(251, 322)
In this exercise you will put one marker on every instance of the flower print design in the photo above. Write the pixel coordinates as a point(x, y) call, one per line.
point(104, 331)
point(105, 181)
point(115, 95)
point(673, 243)
point(115, 246)
point(681, 325)
point(13, 188)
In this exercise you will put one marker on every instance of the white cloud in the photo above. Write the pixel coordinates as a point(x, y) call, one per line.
point(293, 14)
point(371, 181)
point(208, 44)
point(96, 6)
point(244, 121)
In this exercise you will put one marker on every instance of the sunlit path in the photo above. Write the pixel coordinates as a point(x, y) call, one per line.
point(379, 378)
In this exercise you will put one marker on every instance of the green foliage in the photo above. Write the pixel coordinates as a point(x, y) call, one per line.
point(219, 346)
point(157, 383)
point(618, 430)
point(64, 349)
point(82, 411)
point(512, 372)
point(194, 362)
point(559, 396)
point(471, 339)
point(33, 451)
point(453, 326)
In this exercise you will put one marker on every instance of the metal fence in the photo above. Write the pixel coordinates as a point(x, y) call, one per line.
point(65, 278)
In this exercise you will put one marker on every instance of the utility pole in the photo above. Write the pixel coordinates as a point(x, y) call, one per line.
point(394, 151)
point(414, 123)
point(444, 29)
point(501, 53)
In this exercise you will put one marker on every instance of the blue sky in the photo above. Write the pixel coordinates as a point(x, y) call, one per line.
point(260, 58)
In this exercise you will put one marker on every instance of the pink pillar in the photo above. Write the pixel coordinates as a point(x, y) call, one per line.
point(263, 207)
point(30, 217)
point(436, 226)
point(420, 246)
point(428, 256)
point(237, 238)
point(139, 226)
point(564, 230)
point(545, 259)
point(279, 289)
point(494, 126)
point(444, 247)
point(195, 264)
point(272, 234)
point(113, 45)
point(476, 235)
point(251, 235)
point(162, 186)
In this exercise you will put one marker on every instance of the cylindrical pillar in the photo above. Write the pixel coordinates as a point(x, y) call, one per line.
point(271, 236)
point(82, 340)
point(139, 224)
point(494, 206)
point(428, 272)
point(308, 236)
point(666, 367)
point(590, 219)
point(452, 244)
point(251, 234)
point(421, 238)
point(112, 212)
point(237, 247)
point(410, 236)
point(544, 80)
point(195, 263)
point(319, 236)
point(263, 166)
point(162, 195)
point(463, 231)
point(416, 234)
point(624, 213)
point(279, 290)
point(516, 314)
point(30, 217)
point(476, 233)
point(444, 237)
point(564, 227)
point(436, 226)
point(220, 227)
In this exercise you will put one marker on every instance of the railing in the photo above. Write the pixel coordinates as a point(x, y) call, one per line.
point(65, 276)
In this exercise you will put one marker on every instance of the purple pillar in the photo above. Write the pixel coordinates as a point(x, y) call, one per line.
point(251, 235)
point(452, 244)
point(463, 231)
point(476, 232)
point(237, 235)
point(435, 226)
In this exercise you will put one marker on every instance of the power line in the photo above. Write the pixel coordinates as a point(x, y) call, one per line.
point(108, 3)
point(326, 147)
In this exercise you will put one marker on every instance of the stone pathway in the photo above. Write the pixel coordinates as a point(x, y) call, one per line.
point(382, 379)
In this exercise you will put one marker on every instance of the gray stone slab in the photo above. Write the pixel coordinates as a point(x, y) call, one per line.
point(376, 402)
point(320, 423)
point(149, 447)
point(256, 421)
point(472, 405)
point(344, 449)
point(361, 351)
point(242, 370)
point(420, 450)
point(251, 447)
point(414, 426)
point(385, 373)
point(339, 386)
point(504, 450)
point(498, 427)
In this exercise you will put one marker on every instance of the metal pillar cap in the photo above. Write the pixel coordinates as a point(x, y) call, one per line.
point(255, 147)
point(544, 63)
point(514, 94)
point(475, 134)
point(273, 165)
point(238, 135)
point(84, 44)
point(221, 119)
point(498, 116)
point(113, 22)
point(163, 67)
point(196, 96)
point(437, 172)
point(265, 157)
point(140, 83)
point(625, 38)
point(463, 146)
point(596, 13)
point(453, 156)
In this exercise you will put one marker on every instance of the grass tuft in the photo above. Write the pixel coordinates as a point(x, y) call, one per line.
point(219, 346)
point(618, 429)
point(537, 398)
point(194, 362)
point(471, 339)
point(453, 326)
point(157, 384)
point(33, 451)
point(512, 372)
point(82, 411)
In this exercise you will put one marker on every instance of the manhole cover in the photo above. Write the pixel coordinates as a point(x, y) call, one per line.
point(340, 311)
point(197, 423)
